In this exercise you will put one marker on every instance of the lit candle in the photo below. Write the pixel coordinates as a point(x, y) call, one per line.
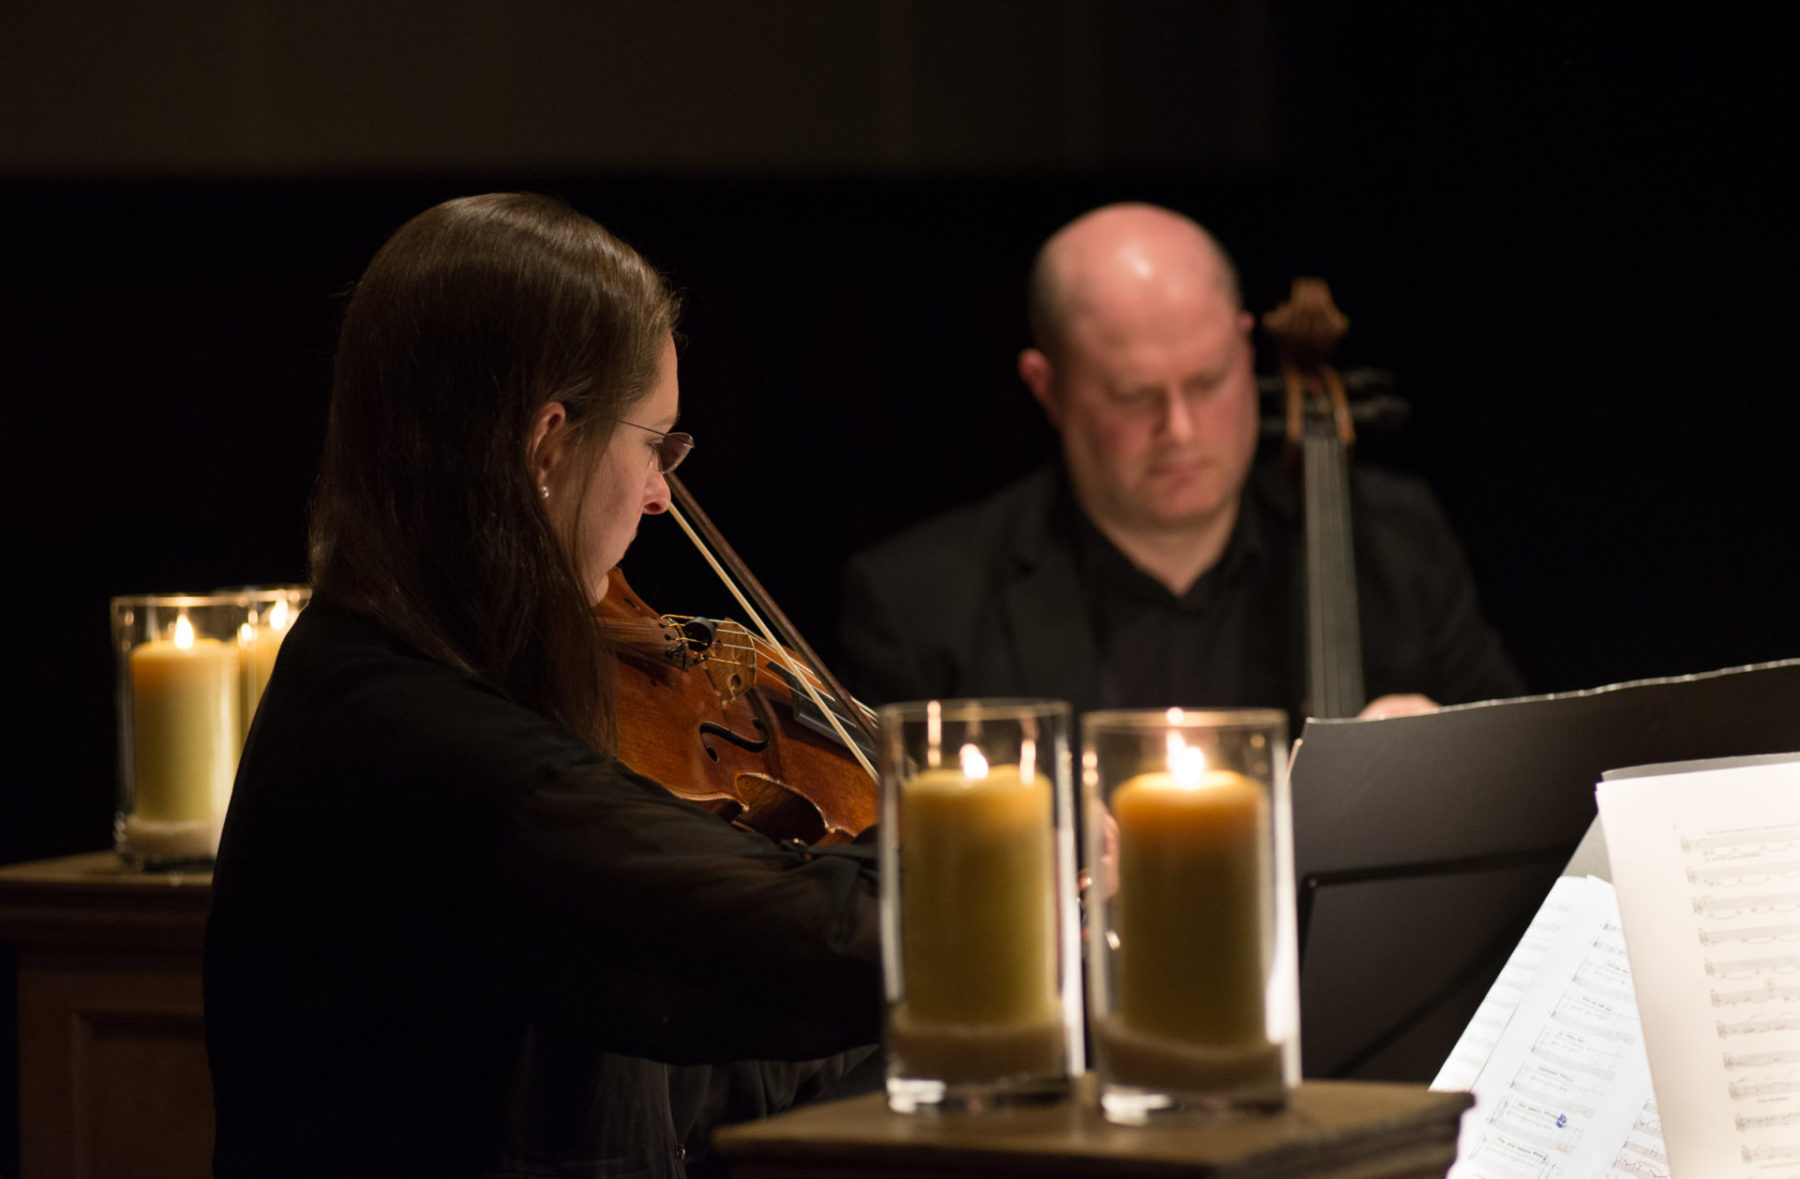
point(1194, 927)
point(184, 735)
point(978, 909)
point(258, 643)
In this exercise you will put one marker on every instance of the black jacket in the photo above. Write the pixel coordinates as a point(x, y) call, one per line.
point(447, 939)
point(990, 600)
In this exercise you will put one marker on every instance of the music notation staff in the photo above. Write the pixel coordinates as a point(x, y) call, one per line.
point(1739, 875)
point(1641, 1155)
point(1707, 865)
point(1565, 1080)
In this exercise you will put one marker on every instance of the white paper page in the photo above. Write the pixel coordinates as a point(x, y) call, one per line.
point(1707, 866)
point(1489, 1022)
point(1642, 1155)
point(1566, 1079)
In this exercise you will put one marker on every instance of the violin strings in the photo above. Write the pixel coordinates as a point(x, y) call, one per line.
point(731, 586)
point(779, 654)
point(757, 644)
point(800, 669)
point(776, 652)
point(761, 646)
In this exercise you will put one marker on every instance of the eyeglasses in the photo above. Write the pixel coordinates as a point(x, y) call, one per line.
point(670, 448)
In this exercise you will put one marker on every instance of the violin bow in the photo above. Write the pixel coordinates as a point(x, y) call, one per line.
point(756, 602)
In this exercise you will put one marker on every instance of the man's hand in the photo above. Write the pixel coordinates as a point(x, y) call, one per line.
point(1401, 704)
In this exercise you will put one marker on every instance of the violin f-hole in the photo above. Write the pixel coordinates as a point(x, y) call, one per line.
point(753, 744)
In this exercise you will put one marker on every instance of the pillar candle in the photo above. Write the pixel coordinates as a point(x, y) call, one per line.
point(1194, 941)
point(978, 900)
point(257, 647)
point(184, 727)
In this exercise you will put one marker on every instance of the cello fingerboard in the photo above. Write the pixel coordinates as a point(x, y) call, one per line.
point(1334, 672)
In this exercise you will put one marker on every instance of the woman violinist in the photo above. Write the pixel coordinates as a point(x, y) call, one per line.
point(450, 933)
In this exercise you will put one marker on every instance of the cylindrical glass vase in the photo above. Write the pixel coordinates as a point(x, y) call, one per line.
point(1192, 977)
point(180, 698)
point(269, 611)
point(980, 935)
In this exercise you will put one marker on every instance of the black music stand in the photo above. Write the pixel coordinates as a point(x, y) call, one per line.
point(1423, 845)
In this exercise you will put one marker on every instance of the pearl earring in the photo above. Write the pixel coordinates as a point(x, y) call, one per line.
point(543, 491)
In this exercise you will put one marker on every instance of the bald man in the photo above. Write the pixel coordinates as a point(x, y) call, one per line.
point(1157, 563)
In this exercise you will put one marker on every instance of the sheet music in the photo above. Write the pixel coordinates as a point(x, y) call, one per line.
point(1490, 1020)
point(1641, 1156)
point(1707, 865)
point(1561, 1078)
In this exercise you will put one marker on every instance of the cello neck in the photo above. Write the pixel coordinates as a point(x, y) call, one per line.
point(1333, 635)
point(1307, 329)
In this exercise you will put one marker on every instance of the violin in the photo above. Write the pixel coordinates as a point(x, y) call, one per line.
point(1320, 431)
point(749, 726)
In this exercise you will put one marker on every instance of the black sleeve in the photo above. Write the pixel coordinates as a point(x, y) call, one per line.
point(685, 939)
point(1471, 661)
point(1426, 631)
point(704, 1098)
point(1467, 656)
point(884, 652)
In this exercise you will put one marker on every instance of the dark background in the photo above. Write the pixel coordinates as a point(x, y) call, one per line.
point(1562, 232)
point(1563, 235)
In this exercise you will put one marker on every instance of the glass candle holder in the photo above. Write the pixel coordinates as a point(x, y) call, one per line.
point(180, 696)
point(1193, 977)
point(269, 612)
point(980, 937)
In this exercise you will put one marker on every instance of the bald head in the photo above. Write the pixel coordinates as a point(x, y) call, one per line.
point(1122, 253)
point(1145, 369)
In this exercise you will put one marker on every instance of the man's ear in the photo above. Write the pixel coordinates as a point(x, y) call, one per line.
point(545, 442)
point(1036, 372)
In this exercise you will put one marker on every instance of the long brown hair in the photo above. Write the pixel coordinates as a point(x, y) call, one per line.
point(427, 516)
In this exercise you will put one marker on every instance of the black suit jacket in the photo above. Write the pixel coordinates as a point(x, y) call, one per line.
point(990, 600)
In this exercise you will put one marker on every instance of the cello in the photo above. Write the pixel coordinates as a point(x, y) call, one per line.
point(1320, 432)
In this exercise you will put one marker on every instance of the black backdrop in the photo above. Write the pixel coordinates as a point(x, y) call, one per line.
point(1567, 241)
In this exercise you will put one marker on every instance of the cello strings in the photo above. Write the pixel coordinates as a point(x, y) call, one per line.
point(1335, 682)
point(1350, 646)
point(750, 612)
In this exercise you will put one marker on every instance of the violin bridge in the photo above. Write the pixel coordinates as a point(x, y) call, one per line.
point(731, 662)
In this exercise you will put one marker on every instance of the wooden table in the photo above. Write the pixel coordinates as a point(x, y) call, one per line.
point(112, 1040)
point(113, 1076)
point(1330, 1130)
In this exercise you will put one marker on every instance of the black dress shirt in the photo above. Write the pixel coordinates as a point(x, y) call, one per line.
point(1217, 645)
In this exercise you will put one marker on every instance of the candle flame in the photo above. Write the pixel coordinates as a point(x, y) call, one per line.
point(184, 632)
point(1027, 759)
point(974, 765)
point(1186, 762)
point(246, 634)
point(278, 615)
point(934, 734)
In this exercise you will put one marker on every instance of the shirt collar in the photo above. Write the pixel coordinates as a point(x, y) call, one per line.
point(1104, 568)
